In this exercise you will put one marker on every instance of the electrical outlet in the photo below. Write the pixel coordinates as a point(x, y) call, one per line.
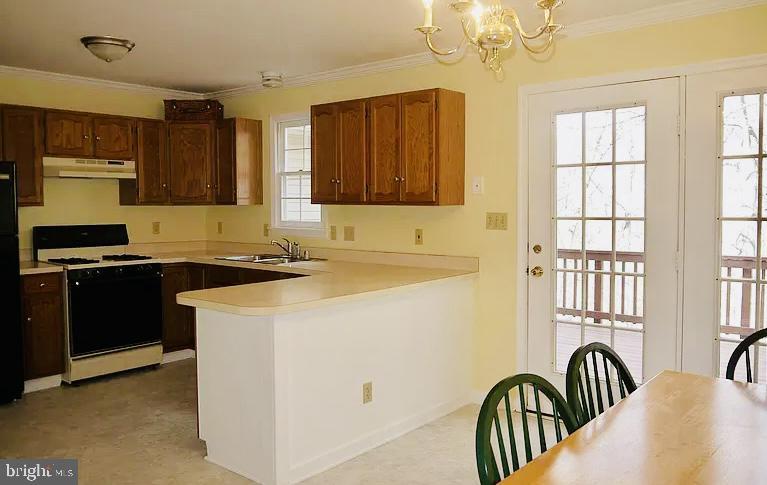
point(266, 230)
point(348, 233)
point(155, 228)
point(333, 235)
point(497, 221)
point(367, 392)
point(418, 237)
point(220, 227)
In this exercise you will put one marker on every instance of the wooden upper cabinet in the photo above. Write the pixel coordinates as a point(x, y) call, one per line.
point(412, 149)
point(384, 138)
point(23, 144)
point(418, 177)
point(68, 134)
point(352, 163)
point(152, 168)
point(191, 162)
point(239, 174)
point(114, 138)
point(324, 153)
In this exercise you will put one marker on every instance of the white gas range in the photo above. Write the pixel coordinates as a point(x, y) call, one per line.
point(113, 299)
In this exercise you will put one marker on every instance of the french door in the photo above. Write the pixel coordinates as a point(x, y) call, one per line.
point(726, 219)
point(604, 226)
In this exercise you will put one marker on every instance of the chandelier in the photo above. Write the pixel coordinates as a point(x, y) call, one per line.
point(491, 29)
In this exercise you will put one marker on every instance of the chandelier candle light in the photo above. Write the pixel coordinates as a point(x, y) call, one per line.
point(491, 29)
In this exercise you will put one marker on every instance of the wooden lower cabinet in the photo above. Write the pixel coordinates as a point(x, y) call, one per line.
point(43, 325)
point(179, 320)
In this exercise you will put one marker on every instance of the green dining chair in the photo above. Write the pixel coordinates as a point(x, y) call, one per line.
point(589, 390)
point(744, 348)
point(496, 436)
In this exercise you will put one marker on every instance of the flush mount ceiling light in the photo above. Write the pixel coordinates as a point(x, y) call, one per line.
point(271, 79)
point(491, 29)
point(107, 48)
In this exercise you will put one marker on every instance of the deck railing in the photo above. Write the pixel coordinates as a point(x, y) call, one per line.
point(737, 299)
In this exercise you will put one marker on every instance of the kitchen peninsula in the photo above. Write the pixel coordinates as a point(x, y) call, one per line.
point(296, 376)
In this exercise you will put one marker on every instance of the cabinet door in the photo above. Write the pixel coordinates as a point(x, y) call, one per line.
point(43, 320)
point(23, 144)
point(418, 176)
point(191, 162)
point(226, 153)
point(324, 153)
point(152, 170)
point(114, 138)
point(385, 149)
point(352, 152)
point(177, 320)
point(68, 134)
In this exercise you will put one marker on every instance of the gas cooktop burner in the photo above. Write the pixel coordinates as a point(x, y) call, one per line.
point(73, 260)
point(124, 257)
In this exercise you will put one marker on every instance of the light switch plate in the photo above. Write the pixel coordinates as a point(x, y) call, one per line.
point(419, 237)
point(367, 392)
point(155, 228)
point(497, 221)
point(348, 233)
point(266, 230)
point(220, 228)
point(333, 235)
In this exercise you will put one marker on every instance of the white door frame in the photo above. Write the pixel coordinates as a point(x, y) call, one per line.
point(524, 92)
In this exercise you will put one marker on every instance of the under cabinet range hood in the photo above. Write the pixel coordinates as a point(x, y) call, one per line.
point(86, 168)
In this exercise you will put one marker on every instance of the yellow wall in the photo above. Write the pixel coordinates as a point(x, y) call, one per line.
point(96, 201)
point(491, 149)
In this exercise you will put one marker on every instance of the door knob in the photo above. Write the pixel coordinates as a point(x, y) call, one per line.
point(537, 271)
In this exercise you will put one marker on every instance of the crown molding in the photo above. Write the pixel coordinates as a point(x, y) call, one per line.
point(100, 83)
point(414, 60)
point(655, 15)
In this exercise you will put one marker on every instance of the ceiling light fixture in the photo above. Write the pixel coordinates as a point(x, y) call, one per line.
point(491, 29)
point(107, 48)
point(271, 79)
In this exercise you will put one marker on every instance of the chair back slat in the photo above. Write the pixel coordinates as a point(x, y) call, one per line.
point(745, 348)
point(501, 445)
point(539, 419)
point(578, 369)
point(492, 442)
point(512, 437)
point(610, 399)
point(525, 426)
point(597, 385)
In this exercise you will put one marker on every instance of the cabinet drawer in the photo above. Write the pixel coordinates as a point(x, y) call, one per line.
point(42, 283)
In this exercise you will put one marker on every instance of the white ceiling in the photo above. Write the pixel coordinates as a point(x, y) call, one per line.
point(212, 45)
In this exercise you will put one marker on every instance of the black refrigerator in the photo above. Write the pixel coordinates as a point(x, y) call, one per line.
point(11, 358)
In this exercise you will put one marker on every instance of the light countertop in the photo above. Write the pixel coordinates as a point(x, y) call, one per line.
point(38, 267)
point(327, 282)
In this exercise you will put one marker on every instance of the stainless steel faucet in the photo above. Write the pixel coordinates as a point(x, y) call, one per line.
point(292, 249)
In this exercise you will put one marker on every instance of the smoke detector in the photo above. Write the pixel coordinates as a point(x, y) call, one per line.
point(271, 79)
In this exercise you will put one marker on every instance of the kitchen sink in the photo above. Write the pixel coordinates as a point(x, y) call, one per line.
point(266, 259)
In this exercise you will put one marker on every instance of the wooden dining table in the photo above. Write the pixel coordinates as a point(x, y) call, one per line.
point(675, 429)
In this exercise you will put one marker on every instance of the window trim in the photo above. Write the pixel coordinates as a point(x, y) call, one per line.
point(307, 229)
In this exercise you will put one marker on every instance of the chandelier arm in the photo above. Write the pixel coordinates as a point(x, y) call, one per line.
point(511, 14)
point(540, 49)
point(467, 35)
point(441, 52)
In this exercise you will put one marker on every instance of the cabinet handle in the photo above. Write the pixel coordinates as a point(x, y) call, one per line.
point(338, 181)
point(208, 185)
point(396, 179)
point(332, 181)
point(85, 137)
point(402, 179)
point(29, 319)
point(164, 186)
point(98, 138)
point(42, 285)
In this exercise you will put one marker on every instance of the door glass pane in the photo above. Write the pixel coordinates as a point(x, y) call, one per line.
point(569, 138)
point(608, 230)
point(741, 227)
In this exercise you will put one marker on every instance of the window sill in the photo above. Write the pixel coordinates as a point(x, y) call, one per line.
point(313, 232)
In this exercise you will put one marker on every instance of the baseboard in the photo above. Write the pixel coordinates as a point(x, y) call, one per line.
point(478, 397)
point(178, 355)
point(42, 383)
point(373, 440)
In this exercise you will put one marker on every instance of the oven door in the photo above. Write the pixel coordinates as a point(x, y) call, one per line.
point(112, 313)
